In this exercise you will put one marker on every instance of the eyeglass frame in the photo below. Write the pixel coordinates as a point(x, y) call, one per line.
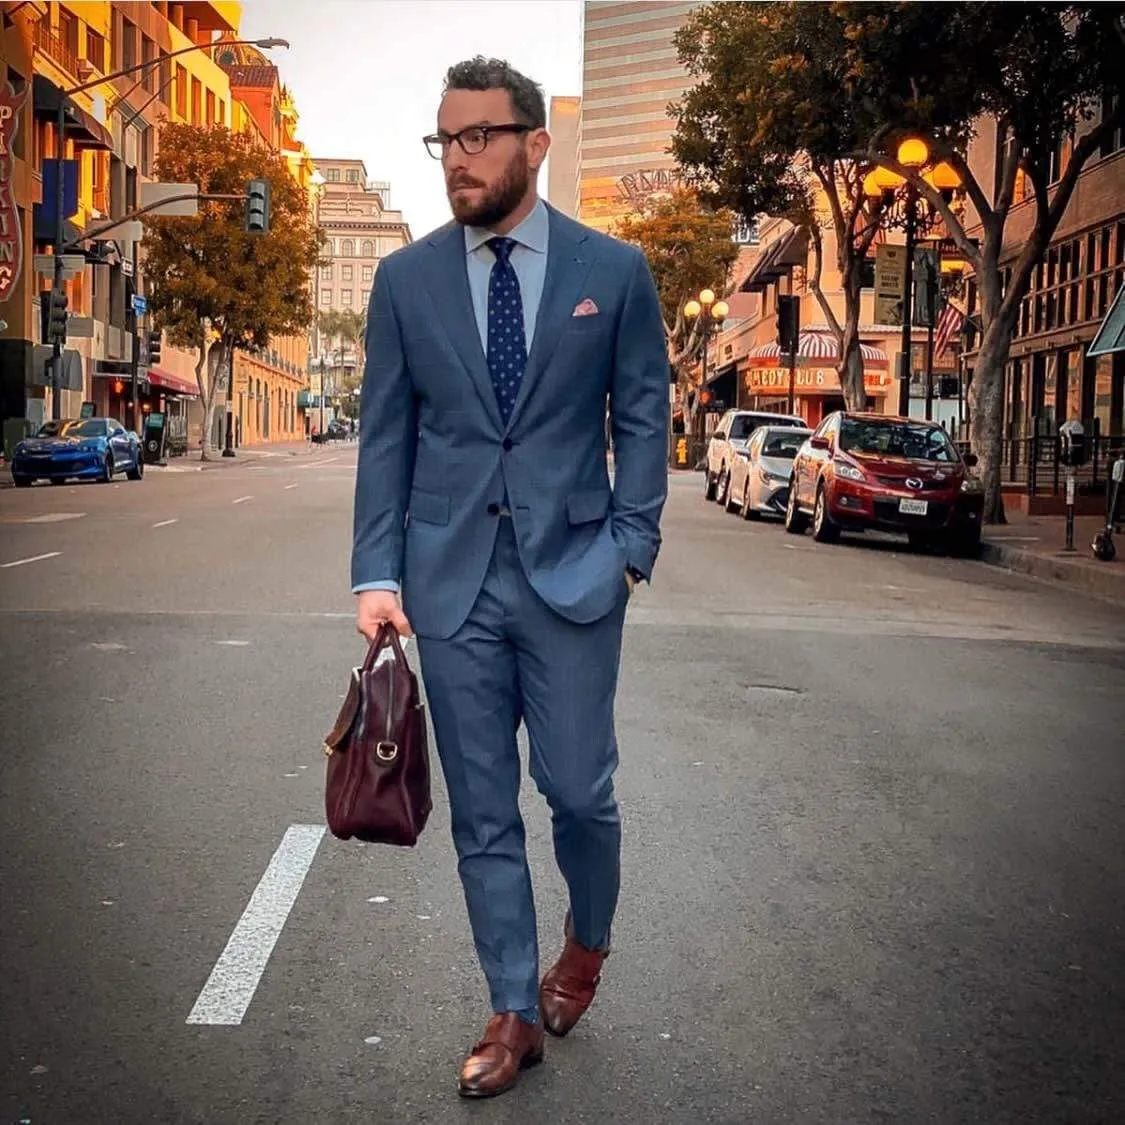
point(446, 140)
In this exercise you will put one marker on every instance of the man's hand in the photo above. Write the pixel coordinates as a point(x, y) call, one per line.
point(631, 582)
point(374, 607)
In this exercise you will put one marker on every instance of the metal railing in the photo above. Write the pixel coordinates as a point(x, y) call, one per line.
point(53, 46)
point(1034, 463)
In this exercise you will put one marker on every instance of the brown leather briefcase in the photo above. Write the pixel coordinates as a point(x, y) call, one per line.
point(378, 779)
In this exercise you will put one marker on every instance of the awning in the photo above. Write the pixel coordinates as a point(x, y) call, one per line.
point(158, 377)
point(776, 260)
point(1111, 331)
point(817, 348)
point(82, 127)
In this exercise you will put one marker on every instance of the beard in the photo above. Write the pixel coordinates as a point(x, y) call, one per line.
point(498, 202)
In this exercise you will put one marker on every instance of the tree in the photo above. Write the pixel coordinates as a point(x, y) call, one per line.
point(215, 286)
point(1041, 72)
point(345, 327)
point(688, 248)
point(771, 127)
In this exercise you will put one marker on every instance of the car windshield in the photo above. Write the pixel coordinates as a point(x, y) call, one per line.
point(909, 440)
point(92, 427)
point(743, 425)
point(55, 427)
point(783, 443)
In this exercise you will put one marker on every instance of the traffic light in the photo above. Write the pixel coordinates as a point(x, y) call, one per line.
point(788, 323)
point(153, 348)
point(56, 316)
point(258, 206)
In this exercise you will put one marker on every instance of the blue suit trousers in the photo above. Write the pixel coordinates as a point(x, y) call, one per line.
point(516, 660)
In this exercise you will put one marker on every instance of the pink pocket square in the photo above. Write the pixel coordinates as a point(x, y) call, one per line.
point(585, 308)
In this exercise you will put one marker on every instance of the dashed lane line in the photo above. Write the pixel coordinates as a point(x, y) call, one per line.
point(165, 523)
point(235, 977)
point(242, 499)
point(33, 559)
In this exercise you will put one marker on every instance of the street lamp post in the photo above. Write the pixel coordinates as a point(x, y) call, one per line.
point(708, 313)
point(60, 184)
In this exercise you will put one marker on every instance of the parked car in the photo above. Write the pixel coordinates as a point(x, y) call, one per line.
point(861, 471)
point(731, 436)
point(759, 476)
point(95, 448)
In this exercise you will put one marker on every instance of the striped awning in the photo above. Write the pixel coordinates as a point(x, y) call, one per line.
point(817, 347)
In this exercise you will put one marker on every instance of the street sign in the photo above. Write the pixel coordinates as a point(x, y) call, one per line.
point(924, 309)
point(890, 283)
point(140, 304)
point(184, 208)
point(79, 327)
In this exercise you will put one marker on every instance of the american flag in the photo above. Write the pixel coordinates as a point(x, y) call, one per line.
point(948, 325)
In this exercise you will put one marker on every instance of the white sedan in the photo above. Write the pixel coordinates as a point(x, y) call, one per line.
point(759, 477)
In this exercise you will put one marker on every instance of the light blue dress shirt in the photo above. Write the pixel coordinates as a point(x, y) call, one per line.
point(529, 259)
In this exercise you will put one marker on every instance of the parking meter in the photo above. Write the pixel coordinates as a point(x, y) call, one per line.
point(1072, 444)
point(153, 439)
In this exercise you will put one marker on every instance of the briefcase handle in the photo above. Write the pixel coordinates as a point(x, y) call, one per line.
point(387, 635)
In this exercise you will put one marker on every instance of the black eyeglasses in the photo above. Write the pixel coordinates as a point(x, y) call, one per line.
point(472, 140)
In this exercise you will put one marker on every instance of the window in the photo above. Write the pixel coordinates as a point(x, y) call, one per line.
point(346, 298)
point(326, 273)
point(149, 76)
point(332, 175)
point(128, 44)
point(68, 31)
point(368, 249)
point(347, 249)
point(95, 49)
point(1114, 141)
point(345, 273)
point(221, 118)
point(196, 101)
point(165, 76)
point(367, 271)
point(210, 107)
point(353, 175)
point(366, 297)
point(181, 91)
point(325, 298)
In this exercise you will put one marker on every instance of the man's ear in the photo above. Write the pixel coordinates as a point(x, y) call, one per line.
point(539, 142)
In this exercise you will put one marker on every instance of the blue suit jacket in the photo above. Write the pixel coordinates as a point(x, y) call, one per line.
point(436, 460)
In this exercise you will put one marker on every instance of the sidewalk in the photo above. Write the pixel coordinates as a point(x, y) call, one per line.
point(1034, 545)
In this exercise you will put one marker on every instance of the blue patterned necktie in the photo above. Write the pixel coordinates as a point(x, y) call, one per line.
point(507, 345)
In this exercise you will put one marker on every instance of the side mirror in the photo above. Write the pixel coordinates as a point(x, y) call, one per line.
point(820, 443)
point(119, 431)
point(971, 460)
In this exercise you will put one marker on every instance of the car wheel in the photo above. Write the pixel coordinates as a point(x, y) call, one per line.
point(56, 481)
point(108, 469)
point(21, 482)
point(920, 541)
point(722, 488)
point(796, 522)
point(732, 504)
point(749, 513)
point(824, 529)
point(137, 472)
point(708, 485)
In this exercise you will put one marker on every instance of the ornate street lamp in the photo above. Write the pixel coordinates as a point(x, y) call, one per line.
point(709, 314)
point(900, 200)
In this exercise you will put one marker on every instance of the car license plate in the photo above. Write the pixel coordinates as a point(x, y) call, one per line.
point(913, 507)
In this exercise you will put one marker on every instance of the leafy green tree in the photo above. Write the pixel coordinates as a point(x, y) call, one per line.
point(1049, 79)
point(215, 286)
point(689, 247)
point(771, 126)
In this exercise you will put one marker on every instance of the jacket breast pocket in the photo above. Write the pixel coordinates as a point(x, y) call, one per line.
point(428, 507)
point(587, 507)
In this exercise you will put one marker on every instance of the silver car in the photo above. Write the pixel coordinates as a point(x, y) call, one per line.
point(759, 477)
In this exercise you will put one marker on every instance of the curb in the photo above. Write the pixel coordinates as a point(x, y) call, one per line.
point(1106, 580)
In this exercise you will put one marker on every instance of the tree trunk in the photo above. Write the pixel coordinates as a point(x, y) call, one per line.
point(210, 358)
point(851, 357)
point(986, 431)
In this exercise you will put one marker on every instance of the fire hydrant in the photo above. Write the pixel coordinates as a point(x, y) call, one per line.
point(681, 451)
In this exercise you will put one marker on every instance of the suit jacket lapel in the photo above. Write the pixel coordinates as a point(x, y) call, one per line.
point(448, 282)
point(568, 263)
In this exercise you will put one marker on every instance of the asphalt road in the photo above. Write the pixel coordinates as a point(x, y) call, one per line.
point(874, 815)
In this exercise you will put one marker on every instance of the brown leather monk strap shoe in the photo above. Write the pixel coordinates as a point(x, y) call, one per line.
point(509, 1045)
point(569, 986)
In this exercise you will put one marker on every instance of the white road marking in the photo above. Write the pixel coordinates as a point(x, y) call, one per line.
point(55, 517)
point(379, 898)
point(34, 558)
point(233, 644)
point(235, 977)
point(373, 1040)
point(242, 499)
point(289, 486)
point(165, 523)
point(318, 464)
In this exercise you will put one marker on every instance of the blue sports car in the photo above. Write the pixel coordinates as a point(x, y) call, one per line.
point(94, 448)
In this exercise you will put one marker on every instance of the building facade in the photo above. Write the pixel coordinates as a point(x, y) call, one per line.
point(562, 161)
point(110, 146)
point(630, 72)
point(360, 229)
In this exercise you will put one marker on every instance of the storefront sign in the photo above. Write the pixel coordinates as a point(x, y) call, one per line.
point(11, 239)
point(810, 380)
point(639, 187)
point(890, 283)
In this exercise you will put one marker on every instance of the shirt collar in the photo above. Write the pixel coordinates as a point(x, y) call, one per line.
point(532, 232)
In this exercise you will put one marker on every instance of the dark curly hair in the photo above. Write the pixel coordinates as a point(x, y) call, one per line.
point(528, 104)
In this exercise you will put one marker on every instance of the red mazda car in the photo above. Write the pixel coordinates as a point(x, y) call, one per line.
point(861, 471)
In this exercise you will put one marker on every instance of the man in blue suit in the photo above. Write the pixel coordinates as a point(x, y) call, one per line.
point(494, 348)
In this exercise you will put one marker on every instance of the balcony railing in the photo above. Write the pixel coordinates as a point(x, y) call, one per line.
point(56, 49)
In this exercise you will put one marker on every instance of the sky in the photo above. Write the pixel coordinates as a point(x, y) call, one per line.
point(366, 75)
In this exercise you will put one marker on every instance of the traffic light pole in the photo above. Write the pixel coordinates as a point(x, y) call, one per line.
point(60, 237)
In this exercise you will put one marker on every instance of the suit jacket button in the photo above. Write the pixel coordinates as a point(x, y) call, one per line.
point(507, 446)
point(493, 509)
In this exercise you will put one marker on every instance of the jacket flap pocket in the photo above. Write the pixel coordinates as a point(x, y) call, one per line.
point(347, 716)
point(429, 507)
point(585, 507)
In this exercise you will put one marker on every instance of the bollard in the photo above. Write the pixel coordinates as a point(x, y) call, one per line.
point(1070, 489)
